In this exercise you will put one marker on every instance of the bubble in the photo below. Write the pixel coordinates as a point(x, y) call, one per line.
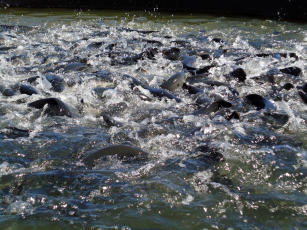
point(20, 208)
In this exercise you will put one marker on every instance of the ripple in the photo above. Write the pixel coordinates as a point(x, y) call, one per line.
point(111, 66)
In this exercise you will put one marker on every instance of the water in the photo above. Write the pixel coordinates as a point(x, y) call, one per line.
point(261, 184)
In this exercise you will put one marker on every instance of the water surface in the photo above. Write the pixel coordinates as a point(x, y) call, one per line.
point(261, 184)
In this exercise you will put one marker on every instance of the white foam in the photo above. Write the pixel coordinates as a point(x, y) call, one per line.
point(20, 208)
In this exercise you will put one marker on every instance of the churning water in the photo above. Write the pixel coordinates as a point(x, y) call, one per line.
point(226, 141)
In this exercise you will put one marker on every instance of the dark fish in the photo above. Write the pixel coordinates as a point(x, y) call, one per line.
point(55, 107)
point(141, 95)
point(162, 93)
point(152, 42)
point(256, 100)
point(276, 119)
point(239, 74)
point(228, 114)
point(192, 89)
point(57, 82)
point(8, 92)
point(110, 46)
point(181, 43)
point(100, 34)
point(211, 154)
point(218, 40)
point(303, 96)
point(6, 48)
point(100, 90)
point(264, 78)
point(293, 70)
point(263, 55)
point(304, 87)
point(124, 152)
point(172, 54)
point(13, 132)
point(75, 66)
point(95, 45)
point(213, 107)
point(204, 55)
point(284, 55)
point(288, 86)
point(32, 79)
point(110, 121)
point(200, 78)
point(124, 58)
point(233, 115)
point(214, 83)
point(149, 53)
point(27, 89)
point(174, 82)
point(224, 104)
point(188, 63)
point(204, 69)
point(154, 91)
point(104, 75)
point(15, 27)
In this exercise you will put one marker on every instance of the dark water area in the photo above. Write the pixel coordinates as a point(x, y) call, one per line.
point(273, 9)
point(151, 121)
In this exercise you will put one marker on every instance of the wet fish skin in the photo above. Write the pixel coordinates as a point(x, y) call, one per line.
point(8, 92)
point(292, 70)
point(56, 107)
point(192, 89)
point(175, 82)
point(27, 89)
point(163, 93)
point(172, 54)
point(57, 82)
point(13, 132)
point(122, 151)
point(256, 100)
point(238, 74)
point(157, 92)
point(303, 96)
point(212, 154)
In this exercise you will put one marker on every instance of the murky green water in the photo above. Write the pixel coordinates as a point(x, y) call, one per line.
point(44, 184)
